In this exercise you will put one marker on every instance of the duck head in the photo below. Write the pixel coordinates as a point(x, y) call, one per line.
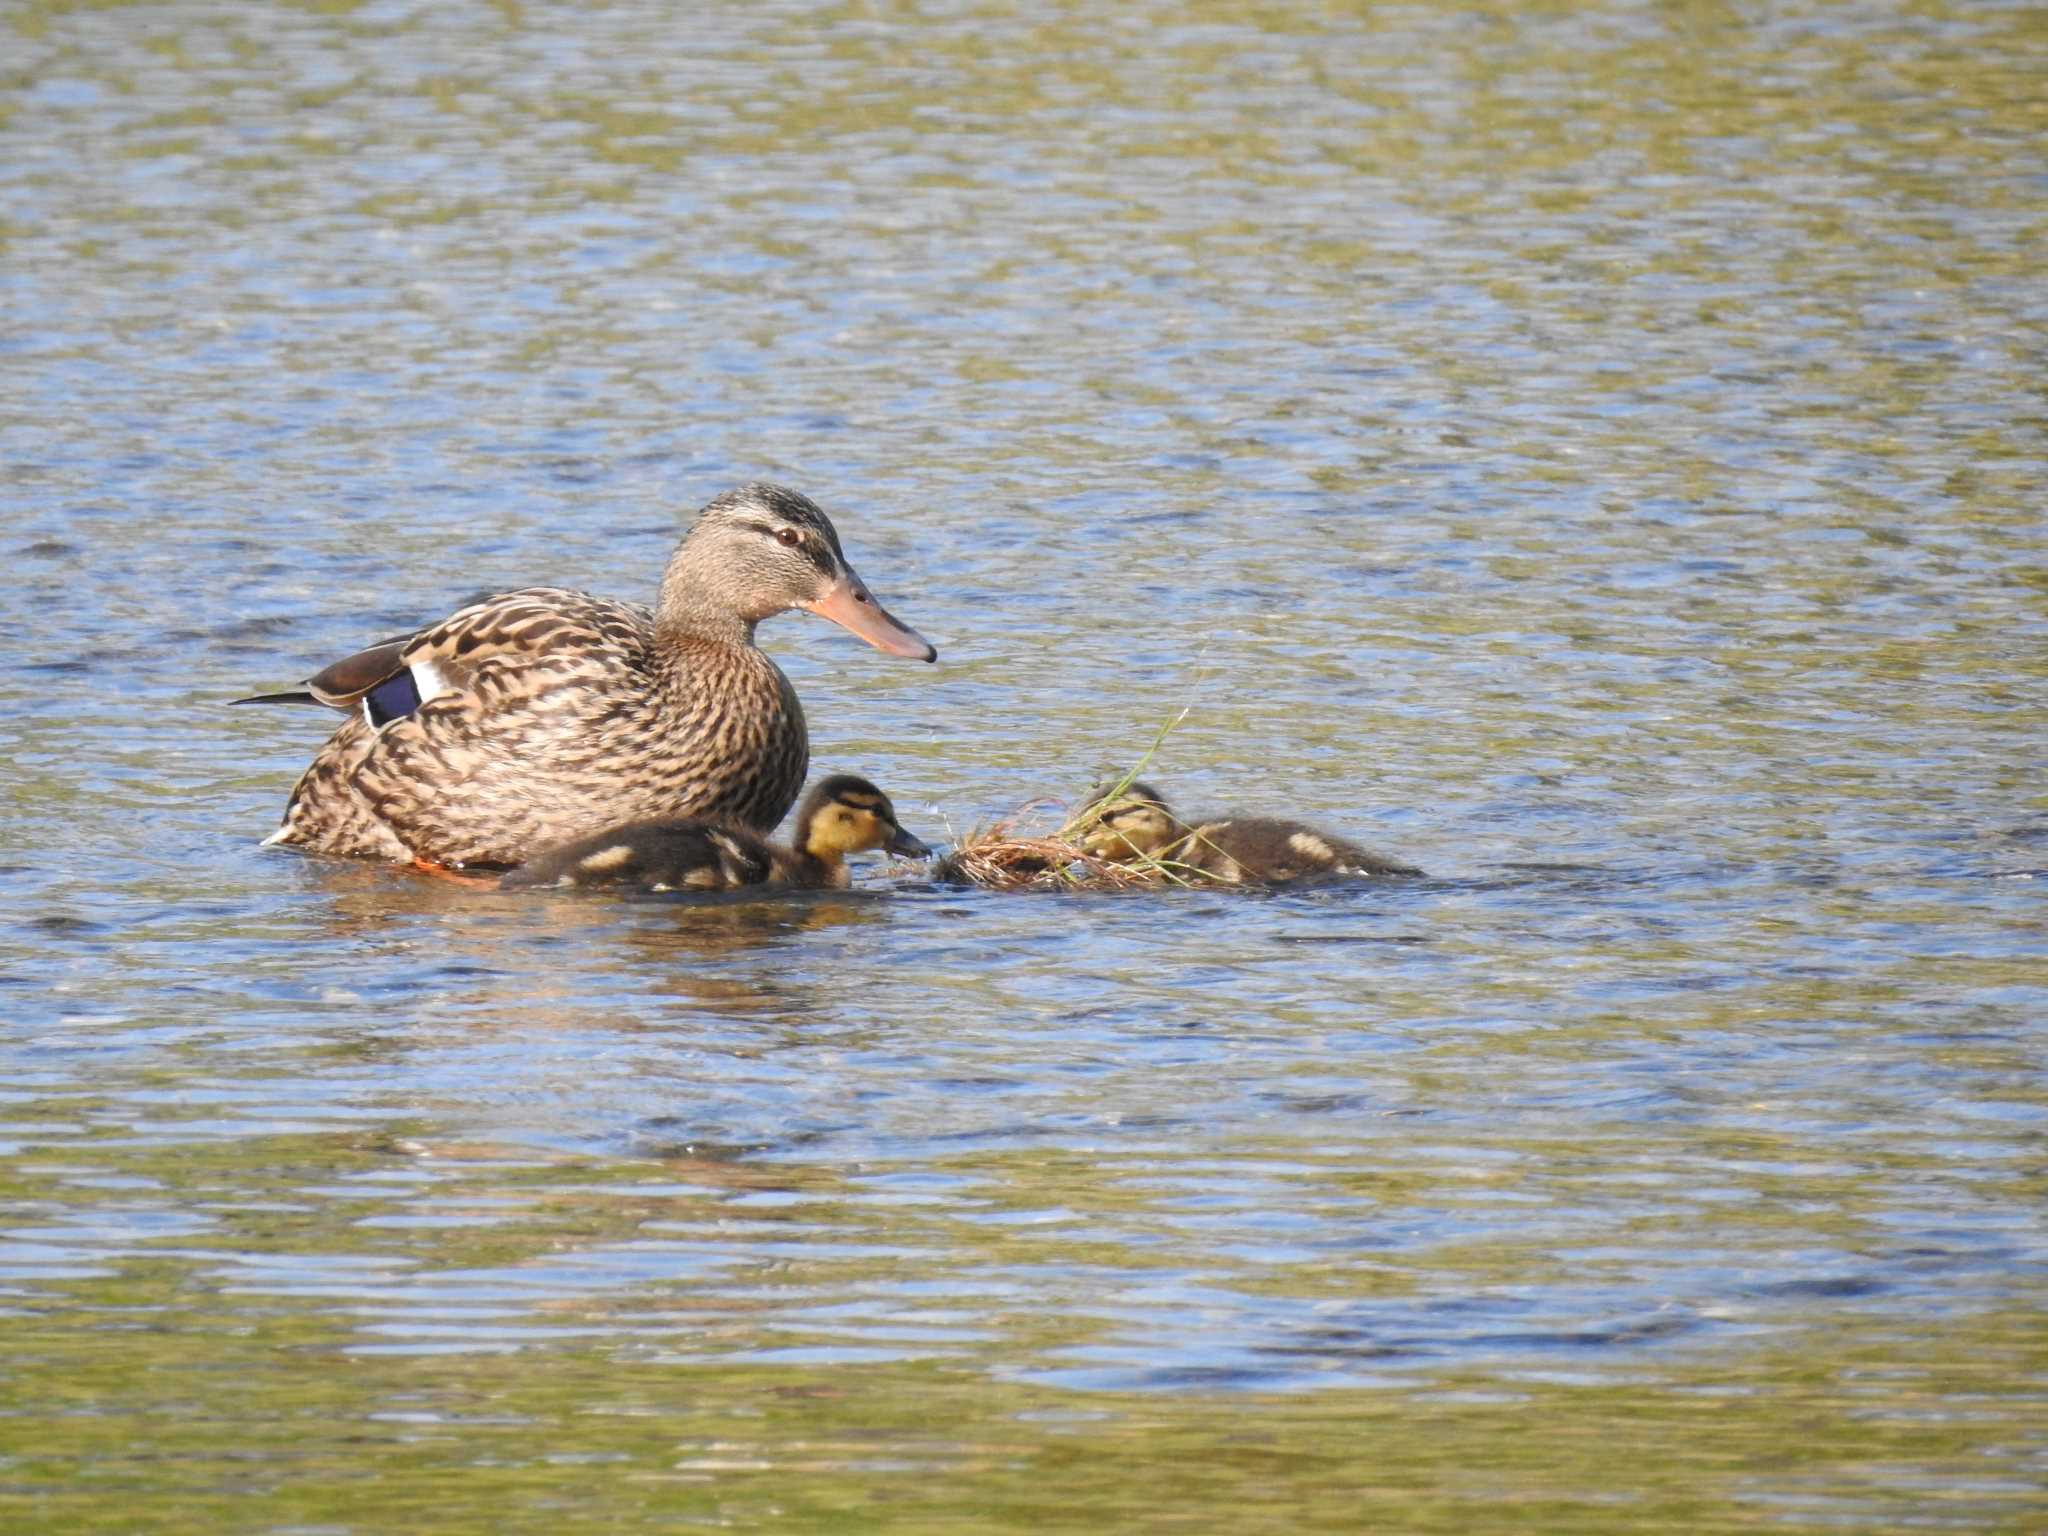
point(1123, 822)
point(764, 549)
point(846, 814)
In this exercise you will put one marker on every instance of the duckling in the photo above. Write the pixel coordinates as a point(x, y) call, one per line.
point(843, 814)
point(1135, 823)
point(1269, 850)
point(1129, 824)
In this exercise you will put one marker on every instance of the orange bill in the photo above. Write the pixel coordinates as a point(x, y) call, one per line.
point(846, 603)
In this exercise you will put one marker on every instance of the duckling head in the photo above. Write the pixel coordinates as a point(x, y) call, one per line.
point(1126, 823)
point(846, 814)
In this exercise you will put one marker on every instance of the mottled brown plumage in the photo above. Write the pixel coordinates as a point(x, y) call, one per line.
point(842, 815)
point(1131, 823)
point(544, 715)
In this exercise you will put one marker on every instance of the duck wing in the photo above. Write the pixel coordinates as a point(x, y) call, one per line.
point(535, 717)
point(342, 685)
point(393, 678)
point(510, 725)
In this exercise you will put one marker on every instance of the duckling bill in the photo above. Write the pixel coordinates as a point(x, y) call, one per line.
point(844, 814)
point(1133, 823)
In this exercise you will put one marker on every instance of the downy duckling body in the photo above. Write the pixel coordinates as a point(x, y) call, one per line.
point(1135, 823)
point(844, 814)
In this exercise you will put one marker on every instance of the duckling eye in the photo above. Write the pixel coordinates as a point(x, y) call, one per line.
point(789, 537)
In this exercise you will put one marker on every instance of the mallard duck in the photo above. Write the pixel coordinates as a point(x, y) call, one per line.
point(842, 815)
point(540, 716)
point(1131, 822)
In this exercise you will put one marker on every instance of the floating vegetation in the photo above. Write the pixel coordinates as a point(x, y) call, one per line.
point(1006, 855)
point(1011, 854)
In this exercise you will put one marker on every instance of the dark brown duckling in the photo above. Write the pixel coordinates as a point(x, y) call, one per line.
point(1269, 850)
point(1133, 823)
point(842, 815)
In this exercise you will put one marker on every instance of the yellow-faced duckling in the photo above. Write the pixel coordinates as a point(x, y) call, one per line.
point(1133, 823)
point(844, 814)
point(1127, 823)
point(534, 717)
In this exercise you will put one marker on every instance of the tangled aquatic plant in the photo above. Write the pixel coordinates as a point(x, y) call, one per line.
point(1007, 855)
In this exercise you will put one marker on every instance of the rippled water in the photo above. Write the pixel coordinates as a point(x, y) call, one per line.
point(1594, 452)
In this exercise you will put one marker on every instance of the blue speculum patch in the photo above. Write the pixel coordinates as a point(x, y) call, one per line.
point(393, 699)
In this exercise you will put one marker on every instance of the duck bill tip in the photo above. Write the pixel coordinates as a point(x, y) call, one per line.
point(848, 604)
point(904, 846)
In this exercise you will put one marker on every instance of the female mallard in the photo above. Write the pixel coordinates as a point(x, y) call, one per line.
point(1130, 822)
point(541, 716)
point(843, 815)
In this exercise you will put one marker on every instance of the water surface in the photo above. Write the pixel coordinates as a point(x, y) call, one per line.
point(1594, 452)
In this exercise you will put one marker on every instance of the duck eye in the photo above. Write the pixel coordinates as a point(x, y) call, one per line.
point(789, 536)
